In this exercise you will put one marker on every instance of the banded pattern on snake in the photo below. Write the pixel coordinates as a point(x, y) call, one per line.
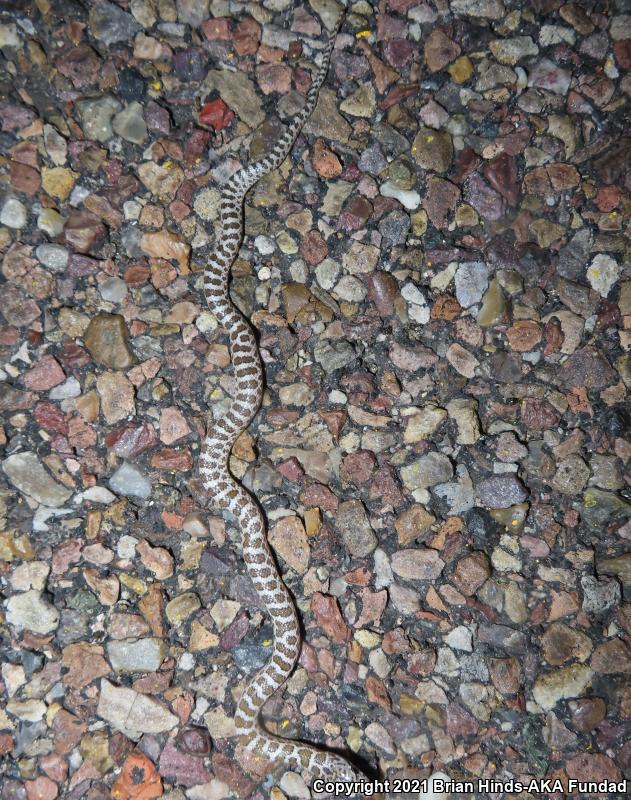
point(224, 492)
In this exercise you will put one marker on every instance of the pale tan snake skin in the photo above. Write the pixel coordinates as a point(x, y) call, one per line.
point(224, 492)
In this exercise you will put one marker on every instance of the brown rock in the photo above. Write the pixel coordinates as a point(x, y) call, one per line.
point(415, 523)
point(117, 396)
point(84, 663)
point(24, 178)
point(506, 675)
point(42, 788)
point(501, 173)
point(611, 658)
point(440, 201)
point(169, 458)
point(587, 713)
point(551, 179)
point(383, 289)
point(314, 248)
point(67, 731)
point(168, 245)
point(433, 150)
point(524, 335)
point(289, 540)
point(173, 426)
point(83, 231)
point(157, 559)
point(417, 564)
point(538, 415)
point(440, 50)
point(106, 339)
point(587, 367)
point(328, 617)
point(325, 161)
point(592, 767)
point(560, 643)
point(471, 573)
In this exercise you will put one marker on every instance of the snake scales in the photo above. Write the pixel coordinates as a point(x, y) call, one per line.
point(224, 492)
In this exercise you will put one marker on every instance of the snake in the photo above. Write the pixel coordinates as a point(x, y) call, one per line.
point(224, 492)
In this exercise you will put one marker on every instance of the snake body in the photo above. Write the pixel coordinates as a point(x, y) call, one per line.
point(225, 492)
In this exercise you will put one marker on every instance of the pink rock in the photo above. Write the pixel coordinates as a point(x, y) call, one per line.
point(274, 78)
point(247, 37)
point(41, 788)
point(45, 374)
point(217, 28)
point(329, 618)
point(173, 426)
point(313, 248)
point(50, 418)
point(182, 768)
point(130, 440)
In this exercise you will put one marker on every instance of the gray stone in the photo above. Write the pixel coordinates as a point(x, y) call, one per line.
point(372, 160)
point(511, 51)
point(599, 596)
point(53, 256)
point(129, 481)
point(352, 522)
point(136, 655)
point(489, 9)
point(471, 279)
point(429, 470)
point(26, 473)
point(192, 12)
point(571, 476)
point(96, 117)
point(114, 290)
point(130, 125)
point(109, 23)
point(501, 491)
point(417, 564)
point(333, 356)
point(13, 213)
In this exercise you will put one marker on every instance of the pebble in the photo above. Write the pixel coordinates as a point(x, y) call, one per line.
point(132, 713)
point(561, 684)
point(96, 117)
point(408, 199)
point(136, 655)
point(129, 124)
point(433, 150)
point(500, 491)
point(289, 540)
point(511, 51)
point(429, 470)
point(26, 472)
point(129, 481)
point(603, 273)
point(471, 281)
point(53, 256)
point(107, 340)
point(353, 524)
point(31, 611)
point(13, 213)
point(110, 24)
point(117, 396)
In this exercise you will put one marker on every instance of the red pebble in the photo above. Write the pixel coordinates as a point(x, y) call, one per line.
point(216, 115)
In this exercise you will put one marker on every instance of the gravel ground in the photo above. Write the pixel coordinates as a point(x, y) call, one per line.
point(439, 275)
